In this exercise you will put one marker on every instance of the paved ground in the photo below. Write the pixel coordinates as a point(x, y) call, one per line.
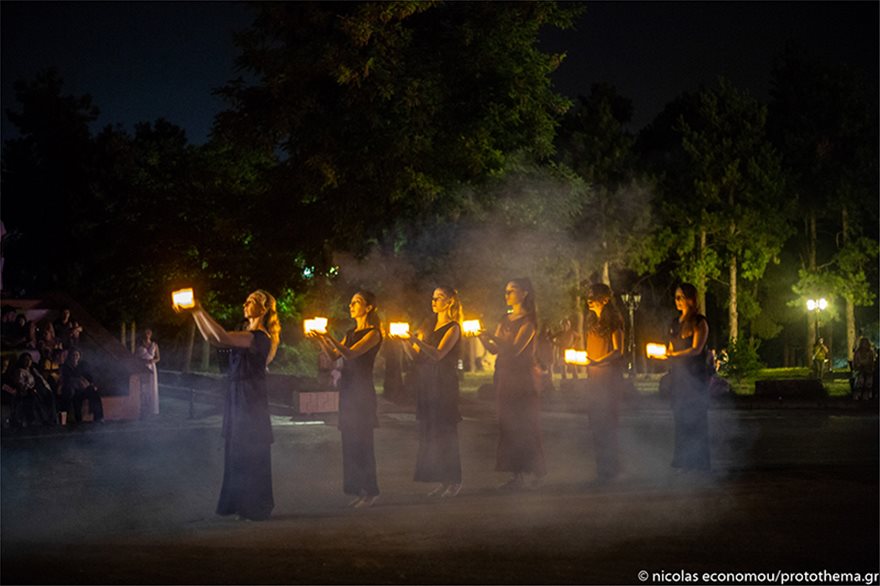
point(792, 490)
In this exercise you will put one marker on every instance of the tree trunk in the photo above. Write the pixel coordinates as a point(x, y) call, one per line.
point(701, 277)
point(734, 324)
point(578, 300)
point(811, 266)
point(850, 305)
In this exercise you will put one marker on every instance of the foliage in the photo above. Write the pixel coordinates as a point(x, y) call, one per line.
point(613, 224)
point(742, 359)
point(46, 187)
point(390, 107)
point(730, 215)
point(825, 124)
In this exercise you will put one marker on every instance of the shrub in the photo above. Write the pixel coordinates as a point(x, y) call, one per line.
point(742, 359)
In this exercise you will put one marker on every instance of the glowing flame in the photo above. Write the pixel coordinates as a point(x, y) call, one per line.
point(316, 324)
point(573, 356)
point(471, 327)
point(655, 350)
point(398, 328)
point(183, 298)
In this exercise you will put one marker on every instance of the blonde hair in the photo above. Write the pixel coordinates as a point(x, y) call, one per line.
point(456, 311)
point(270, 321)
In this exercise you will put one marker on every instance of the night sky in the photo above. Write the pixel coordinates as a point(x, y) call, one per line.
point(142, 61)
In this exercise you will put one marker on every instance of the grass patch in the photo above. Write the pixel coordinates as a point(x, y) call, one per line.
point(650, 383)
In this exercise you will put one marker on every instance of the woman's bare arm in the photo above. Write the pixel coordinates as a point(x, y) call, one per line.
point(216, 335)
point(449, 340)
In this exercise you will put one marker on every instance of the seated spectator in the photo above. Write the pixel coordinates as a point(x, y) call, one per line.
point(7, 325)
point(17, 332)
point(77, 385)
point(74, 335)
point(7, 395)
point(24, 408)
point(63, 325)
point(50, 349)
point(35, 396)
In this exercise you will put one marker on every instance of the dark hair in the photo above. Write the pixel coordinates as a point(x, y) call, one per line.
point(690, 292)
point(530, 304)
point(611, 318)
point(21, 359)
point(69, 358)
point(373, 314)
point(598, 291)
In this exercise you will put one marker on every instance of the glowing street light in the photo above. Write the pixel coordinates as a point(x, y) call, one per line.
point(817, 304)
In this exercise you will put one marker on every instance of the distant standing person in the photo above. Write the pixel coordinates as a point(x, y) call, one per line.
point(148, 352)
point(435, 350)
point(686, 353)
point(863, 370)
point(247, 428)
point(520, 445)
point(604, 336)
point(820, 358)
point(358, 416)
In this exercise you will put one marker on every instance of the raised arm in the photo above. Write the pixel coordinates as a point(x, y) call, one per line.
point(216, 335)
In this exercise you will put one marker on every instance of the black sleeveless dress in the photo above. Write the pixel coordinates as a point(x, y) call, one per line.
point(247, 429)
point(604, 384)
point(437, 413)
point(358, 418)
point(690, 400)
point(520, 445)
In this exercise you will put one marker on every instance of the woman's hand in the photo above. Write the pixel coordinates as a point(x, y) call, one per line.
point(195, 306)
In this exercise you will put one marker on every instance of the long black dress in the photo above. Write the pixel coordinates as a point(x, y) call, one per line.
point(604, 387)
point(358, 418)
point(520, 445)
point(437, 413)
point(247, 429)
point(690, 399)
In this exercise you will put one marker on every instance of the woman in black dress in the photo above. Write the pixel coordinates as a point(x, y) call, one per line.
point(247, 429)
point(604, 336)
point(686, 353)
point(357, 398)
point(435, 351)
point(517, 374)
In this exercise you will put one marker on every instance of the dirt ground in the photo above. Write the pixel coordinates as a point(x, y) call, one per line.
point(132, 503)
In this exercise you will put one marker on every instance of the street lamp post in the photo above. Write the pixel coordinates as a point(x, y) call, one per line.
point(817, 306)
point(631, 300)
